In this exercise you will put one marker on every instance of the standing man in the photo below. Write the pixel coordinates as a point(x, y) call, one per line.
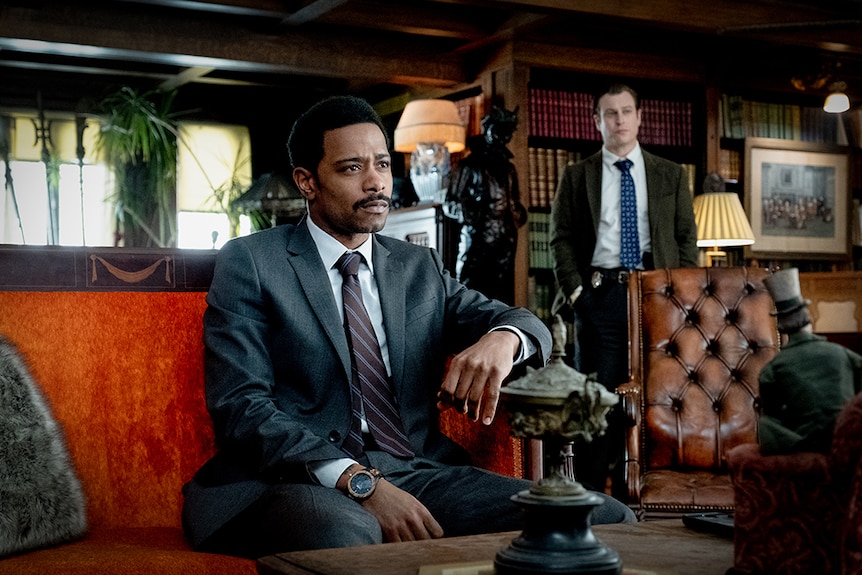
point(619, 210)
point(326, 346)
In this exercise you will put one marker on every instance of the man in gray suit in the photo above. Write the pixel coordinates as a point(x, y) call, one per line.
point(301, 461)
point(592, 274)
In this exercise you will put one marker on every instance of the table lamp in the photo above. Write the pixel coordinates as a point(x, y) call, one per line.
point(430, 130)
point(721, 222)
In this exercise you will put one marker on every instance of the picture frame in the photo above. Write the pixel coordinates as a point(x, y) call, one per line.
point(798, 198)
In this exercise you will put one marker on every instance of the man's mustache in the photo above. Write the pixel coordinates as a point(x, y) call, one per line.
point(371, 200)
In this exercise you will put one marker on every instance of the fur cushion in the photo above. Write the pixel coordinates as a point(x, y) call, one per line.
point(41, 501)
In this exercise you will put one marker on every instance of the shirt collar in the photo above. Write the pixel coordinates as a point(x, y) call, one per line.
point(331, 249)
point(636, 156)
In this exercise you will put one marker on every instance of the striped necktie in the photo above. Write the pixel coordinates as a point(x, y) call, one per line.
point(630, 251)
point(370, 389)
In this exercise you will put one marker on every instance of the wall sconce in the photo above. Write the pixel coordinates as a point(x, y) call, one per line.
point(430, 130)
point(837, 101)
point(721, 222)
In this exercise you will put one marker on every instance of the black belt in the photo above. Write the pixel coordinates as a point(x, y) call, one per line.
point(602, 276)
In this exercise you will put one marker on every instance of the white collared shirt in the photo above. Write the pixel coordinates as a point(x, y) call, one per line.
point(330, 250)
point(607, 252)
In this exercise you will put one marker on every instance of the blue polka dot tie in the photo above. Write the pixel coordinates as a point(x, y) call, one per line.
point(630, 250)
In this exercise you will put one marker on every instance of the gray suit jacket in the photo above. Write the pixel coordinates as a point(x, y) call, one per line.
point(278, 362)
point(577, 207)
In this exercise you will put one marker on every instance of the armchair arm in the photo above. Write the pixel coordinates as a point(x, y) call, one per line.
point(630, 397)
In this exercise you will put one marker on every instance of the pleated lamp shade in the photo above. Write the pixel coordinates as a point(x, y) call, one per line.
point(721, 221)
point(430, 121)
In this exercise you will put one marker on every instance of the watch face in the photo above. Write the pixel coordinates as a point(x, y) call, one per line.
point(361, 484)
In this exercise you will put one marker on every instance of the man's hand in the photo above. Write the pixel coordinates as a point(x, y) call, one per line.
point(401, 516)
point(472, 384)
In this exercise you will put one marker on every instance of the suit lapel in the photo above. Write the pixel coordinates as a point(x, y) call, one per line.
point(389, 274)
point(593, 181)
point(314, 279)
point(654, 177)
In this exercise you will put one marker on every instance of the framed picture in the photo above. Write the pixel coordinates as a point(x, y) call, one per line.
point(797, 196)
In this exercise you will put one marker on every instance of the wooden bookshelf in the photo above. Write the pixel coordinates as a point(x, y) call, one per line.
point(561, 130)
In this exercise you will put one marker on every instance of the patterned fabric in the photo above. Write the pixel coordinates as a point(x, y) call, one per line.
point(800, 513)
point(630, 251)
point(370, 387)
point(786, 515)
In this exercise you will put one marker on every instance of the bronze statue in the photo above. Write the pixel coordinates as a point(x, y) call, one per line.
point(483, 196)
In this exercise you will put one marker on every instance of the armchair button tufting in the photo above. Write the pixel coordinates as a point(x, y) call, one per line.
point(676, 404)
point(716, 406)
point(693, 318)
point(732, 317)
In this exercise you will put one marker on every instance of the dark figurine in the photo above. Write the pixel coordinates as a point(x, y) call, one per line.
point(483, 196)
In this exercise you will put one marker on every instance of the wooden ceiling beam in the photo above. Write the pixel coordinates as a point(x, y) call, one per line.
point(189, 42)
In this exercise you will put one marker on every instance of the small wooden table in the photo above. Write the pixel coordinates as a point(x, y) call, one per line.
point(662, 547)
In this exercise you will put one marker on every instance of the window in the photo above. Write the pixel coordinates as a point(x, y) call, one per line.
point(214, 167)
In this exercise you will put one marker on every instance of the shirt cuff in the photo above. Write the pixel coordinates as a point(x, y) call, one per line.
point(328, 471)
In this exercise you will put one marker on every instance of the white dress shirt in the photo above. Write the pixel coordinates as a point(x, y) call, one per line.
point(607, 252)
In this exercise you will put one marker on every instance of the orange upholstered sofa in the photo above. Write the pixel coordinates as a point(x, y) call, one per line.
point(114, 339)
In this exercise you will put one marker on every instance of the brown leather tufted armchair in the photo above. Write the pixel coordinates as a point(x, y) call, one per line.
point(698, 340)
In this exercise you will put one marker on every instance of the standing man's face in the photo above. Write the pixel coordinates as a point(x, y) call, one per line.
point(618, 121)
point(349, 196)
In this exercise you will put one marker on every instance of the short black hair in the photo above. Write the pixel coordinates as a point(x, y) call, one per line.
point(305, 143)
point(613, 90)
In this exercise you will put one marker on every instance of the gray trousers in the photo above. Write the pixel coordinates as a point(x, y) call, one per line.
point(464, 500)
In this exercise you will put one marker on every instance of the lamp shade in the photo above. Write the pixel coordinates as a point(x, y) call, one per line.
point(836, 102)
point(721, 221)
point(429, 121)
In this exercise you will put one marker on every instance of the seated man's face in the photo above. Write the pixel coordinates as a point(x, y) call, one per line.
point(349, 196)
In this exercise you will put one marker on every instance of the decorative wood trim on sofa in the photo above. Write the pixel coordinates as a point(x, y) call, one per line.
point(55, 268)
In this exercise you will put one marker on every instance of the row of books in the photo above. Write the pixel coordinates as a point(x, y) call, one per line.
point(729, 165)
point(540, 297)
point(539, 226)
point(741, 118)
point(471, 110)
point(546, 167)
point(569, 115)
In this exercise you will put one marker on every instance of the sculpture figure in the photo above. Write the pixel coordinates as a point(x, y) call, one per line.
point(484, 197)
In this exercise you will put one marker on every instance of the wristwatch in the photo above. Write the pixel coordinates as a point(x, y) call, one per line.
point(361, 484)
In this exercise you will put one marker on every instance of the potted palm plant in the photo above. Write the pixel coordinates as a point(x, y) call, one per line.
point(138, 139)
